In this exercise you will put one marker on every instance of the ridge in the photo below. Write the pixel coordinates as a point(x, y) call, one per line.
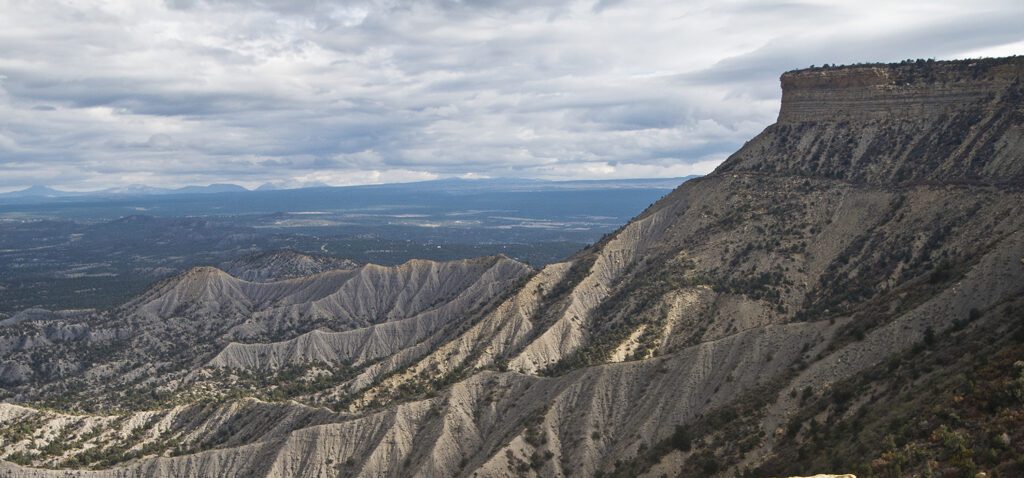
point(276, 265)
point(907, 89)
point(891, 124)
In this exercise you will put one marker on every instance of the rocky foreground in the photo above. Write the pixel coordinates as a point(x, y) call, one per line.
point(844, 293)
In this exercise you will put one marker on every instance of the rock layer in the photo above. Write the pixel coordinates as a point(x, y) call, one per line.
point(897, 124)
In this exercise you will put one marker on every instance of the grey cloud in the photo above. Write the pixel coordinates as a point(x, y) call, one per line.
point(938, 38)
point(205, 91)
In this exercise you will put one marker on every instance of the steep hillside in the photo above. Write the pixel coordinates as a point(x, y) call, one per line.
point(844, 294)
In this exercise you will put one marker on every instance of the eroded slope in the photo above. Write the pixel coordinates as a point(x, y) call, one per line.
point(720, 332)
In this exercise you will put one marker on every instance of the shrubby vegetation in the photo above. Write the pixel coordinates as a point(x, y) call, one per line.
point(953, 406)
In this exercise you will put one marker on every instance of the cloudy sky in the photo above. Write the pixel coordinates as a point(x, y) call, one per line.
point(95, 94)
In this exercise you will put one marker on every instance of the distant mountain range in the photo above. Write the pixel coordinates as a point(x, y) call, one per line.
point(42, 193)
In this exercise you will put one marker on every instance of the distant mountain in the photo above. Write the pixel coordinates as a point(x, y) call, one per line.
point(455, 184)
point(39, 192)
point(134, 189)
point(639, 183)
point(43, 194)
point(526, 184)
point(142, 190)
point(211, 189)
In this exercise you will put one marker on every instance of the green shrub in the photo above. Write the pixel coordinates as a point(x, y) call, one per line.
point(681, 439)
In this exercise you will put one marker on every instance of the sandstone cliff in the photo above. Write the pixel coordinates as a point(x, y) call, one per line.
point(897, 124)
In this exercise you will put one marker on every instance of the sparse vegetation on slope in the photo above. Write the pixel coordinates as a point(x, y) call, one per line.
point(844, 293)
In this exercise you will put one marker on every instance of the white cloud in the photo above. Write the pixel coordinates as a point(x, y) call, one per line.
point(358, 176)
point(97, 94)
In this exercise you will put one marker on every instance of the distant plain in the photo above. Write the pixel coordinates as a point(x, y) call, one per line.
point(96, 250)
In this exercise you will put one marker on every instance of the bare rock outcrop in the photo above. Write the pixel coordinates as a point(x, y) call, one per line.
point(958, 121)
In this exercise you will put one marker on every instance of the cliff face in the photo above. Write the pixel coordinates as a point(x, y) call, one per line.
point(897, 92)
point(897, 124)
point(845, 293)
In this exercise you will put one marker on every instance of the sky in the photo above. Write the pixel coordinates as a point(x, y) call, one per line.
point(98, 94)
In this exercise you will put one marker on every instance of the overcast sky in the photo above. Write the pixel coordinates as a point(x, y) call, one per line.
point(95, 94)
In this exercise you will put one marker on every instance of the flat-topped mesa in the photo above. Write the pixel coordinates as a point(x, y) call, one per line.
point(922, 121)
point(903, 90)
